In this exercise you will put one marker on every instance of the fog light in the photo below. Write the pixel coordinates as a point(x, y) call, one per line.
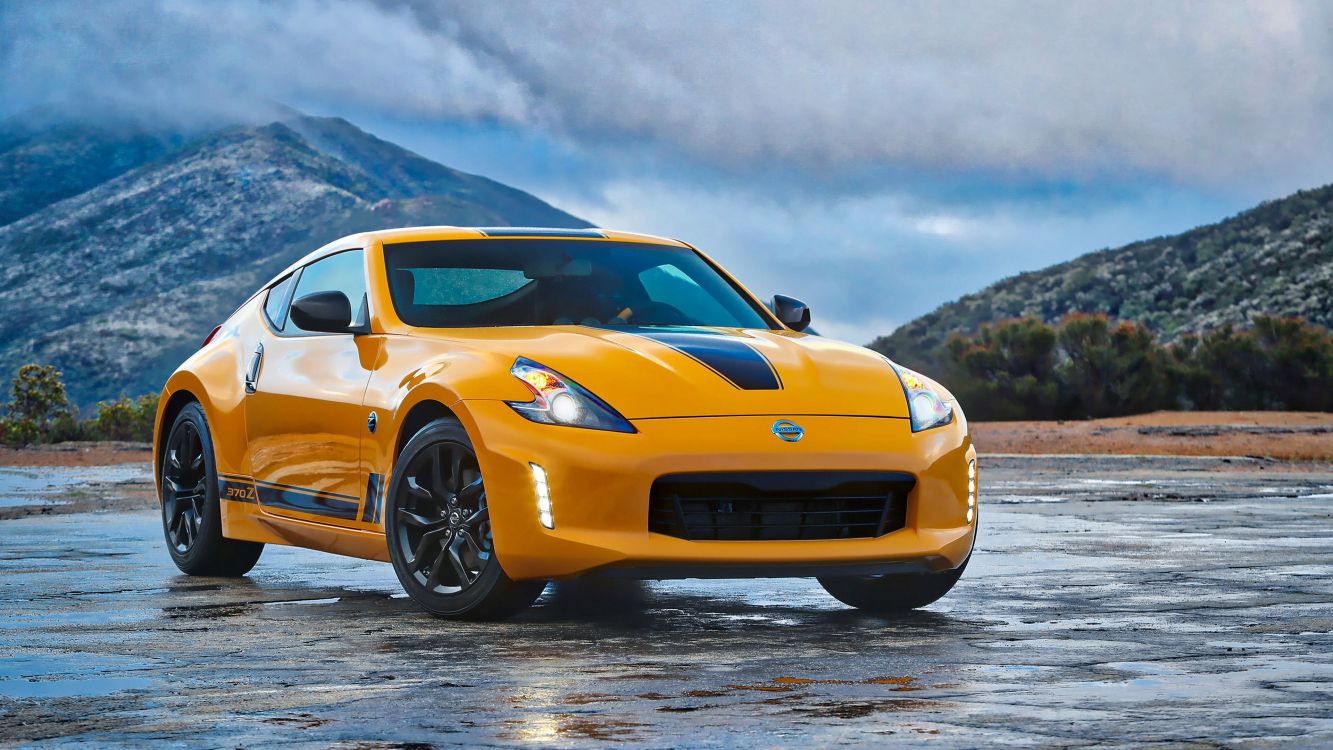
point(544, 510)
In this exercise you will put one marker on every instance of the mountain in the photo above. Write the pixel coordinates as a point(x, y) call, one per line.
point(1276, 258)
point(123, 247)
point(44, 160)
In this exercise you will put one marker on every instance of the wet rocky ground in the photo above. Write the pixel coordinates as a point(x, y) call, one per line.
point(1111, 601)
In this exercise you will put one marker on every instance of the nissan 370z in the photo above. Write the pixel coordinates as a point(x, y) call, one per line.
point(492, 409)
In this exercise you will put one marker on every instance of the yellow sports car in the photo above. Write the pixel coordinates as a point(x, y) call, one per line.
point(490, 409)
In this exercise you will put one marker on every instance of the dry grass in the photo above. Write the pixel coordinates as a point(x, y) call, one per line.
point(1288, 436)
point(77, 454)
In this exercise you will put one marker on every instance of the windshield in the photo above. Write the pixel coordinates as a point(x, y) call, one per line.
point(461, 283)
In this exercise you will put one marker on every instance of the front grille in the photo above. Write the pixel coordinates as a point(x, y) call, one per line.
point(779, 505)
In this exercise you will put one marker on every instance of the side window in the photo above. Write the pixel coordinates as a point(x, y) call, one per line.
point(344, 272)
point(275, 306)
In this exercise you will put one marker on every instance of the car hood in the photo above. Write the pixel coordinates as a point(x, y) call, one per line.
point(651, 372)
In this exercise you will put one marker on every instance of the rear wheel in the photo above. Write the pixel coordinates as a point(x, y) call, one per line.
point(439, 530)
point(191, 513)
point(892, 592)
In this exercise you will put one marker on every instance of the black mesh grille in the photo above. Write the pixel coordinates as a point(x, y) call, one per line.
point(779, 505)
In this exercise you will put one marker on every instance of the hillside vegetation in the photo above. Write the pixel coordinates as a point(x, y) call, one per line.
point(1086, 367)
point(1275, 259)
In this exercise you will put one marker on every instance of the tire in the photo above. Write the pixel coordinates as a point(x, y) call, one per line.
point(438, 530)
point(191, 512)
point(892, 593)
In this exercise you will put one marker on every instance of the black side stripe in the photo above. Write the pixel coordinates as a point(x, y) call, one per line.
point(371, 508)
point(729, 356)
point(383, 500)
point(306, 501)
point(288, 497)
point(237, 489)
point(353, 499)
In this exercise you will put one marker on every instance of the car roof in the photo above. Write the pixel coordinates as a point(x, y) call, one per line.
point(437, 233)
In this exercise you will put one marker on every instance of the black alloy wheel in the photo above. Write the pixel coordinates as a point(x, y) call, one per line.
point(184, 487)
point(439, 530)
point(191, 511)
point(444, 527)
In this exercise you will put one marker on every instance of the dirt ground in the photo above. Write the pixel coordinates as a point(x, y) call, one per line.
point(1284, 436)
point(78, 454)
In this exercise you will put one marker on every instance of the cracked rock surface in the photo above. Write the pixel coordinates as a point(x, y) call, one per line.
point(1111, 601)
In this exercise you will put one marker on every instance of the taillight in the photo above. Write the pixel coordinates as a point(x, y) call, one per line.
point(211, 334)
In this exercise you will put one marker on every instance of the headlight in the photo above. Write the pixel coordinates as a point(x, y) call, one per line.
point(559, 400)
point(923, 403)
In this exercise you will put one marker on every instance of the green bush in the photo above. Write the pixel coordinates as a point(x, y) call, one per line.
point(37, 399)
point(1009, 367)
point(126, 419)
point(68, 427)
point(39, 412)
point(1111, 371)
point(20, 432)
point(1088, 367)
point(1299, 372)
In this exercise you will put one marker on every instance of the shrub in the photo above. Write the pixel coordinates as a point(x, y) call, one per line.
point(67, 427)
point(1111, 371)
point(37, 393)
point(126, 419)
point(37, 399)
point(1299, 372)
point(20, 432)
point(39, 412)
point(1088, 367)
point(1009, 367)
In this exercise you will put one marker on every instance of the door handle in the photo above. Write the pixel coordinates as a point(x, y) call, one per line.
point(252, 374)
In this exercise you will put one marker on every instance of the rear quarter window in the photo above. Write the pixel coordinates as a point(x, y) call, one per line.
point(275, 305)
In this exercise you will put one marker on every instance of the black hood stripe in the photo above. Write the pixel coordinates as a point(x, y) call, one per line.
point(729, 356)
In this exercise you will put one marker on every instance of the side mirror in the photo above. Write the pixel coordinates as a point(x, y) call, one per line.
point(324, 312)
point(793, 313)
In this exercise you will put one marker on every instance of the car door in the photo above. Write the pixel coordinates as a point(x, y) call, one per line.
point(303, 411)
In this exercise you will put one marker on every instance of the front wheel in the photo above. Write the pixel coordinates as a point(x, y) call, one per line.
point(439, 530)
point(191, 512)
point(891, 593)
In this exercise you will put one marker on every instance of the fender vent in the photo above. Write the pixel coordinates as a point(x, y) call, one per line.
point(779, 505)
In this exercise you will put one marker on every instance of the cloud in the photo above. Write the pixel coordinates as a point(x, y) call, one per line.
point(188, 58)
point(1205, 93)
point(875, 159)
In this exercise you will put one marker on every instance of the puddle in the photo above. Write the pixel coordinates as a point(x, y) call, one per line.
point(57, 485)
point(1015, 499)
point(62, 675)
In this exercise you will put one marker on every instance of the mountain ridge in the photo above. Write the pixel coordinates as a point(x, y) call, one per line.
point(1275, 258)
point(117, 283)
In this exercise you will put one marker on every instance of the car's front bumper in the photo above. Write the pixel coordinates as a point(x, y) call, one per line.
point(600, 484)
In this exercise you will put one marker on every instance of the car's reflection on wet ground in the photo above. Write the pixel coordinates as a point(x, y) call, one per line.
point(1092, 613)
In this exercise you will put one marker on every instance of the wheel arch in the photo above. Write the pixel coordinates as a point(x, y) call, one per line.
point(418, 416)
point(170, 408)
point(175, 397)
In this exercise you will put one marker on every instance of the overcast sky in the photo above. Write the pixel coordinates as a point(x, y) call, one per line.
point(874, 158)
